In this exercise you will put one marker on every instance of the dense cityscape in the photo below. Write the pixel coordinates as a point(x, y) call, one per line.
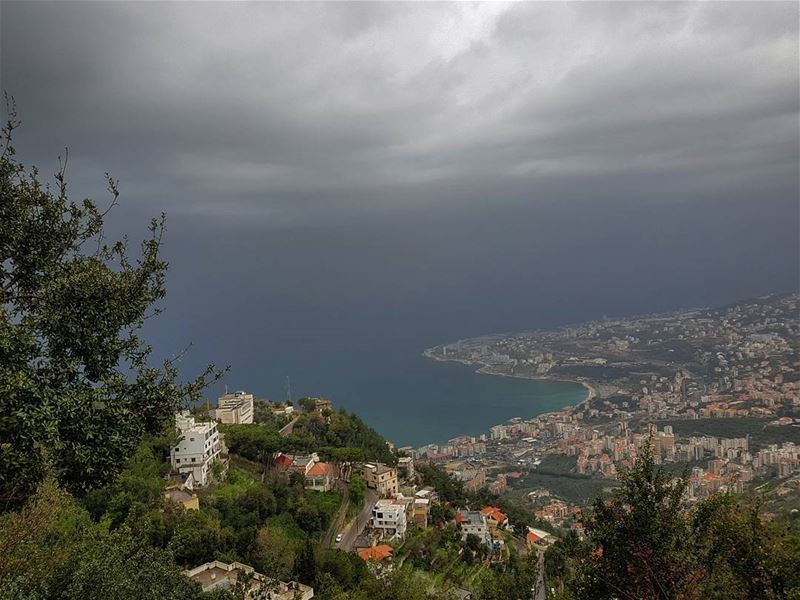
point(668, 379)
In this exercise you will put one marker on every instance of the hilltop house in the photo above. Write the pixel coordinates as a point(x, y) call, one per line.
point(495, 518)
point(320, 477)
point(176, 494)
point(538, 536)
point(199, 446)
point(317, 475)
point(217, 575)
point(474, 523)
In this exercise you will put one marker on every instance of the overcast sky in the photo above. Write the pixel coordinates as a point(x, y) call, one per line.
point(648, 149)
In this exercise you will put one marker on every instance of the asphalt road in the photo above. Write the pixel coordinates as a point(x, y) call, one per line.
point(338, 520)
point(356, 526)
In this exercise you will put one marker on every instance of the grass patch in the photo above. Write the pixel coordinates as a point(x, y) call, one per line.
point(236, 484)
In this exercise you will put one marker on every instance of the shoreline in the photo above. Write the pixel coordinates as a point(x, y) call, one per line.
point(485, 369)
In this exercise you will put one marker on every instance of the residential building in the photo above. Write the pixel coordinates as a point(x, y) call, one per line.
point(428, 493)
point(198, 448)
point(472, 522)
point(495, 518)
point(217, 575)
point(473, 479)
point(405, 468)
point(422, 508)
point(320, 477)
point(236, 408)
point(389, 519)
point(538, 536)
point(378, 553)
point(380, 477)
point(295, 463)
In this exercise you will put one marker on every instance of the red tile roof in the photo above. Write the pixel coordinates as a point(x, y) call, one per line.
point(494, 513)
point(376, 552)
point(282, 460)
point(319, 469)
point(532, 537)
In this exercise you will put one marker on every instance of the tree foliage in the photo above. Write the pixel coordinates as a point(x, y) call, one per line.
point(646, 543)
point(77, 391)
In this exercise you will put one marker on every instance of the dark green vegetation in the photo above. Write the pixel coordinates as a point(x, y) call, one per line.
point(555, 473)
point(644, 543)
point(761, 433)
point(440, 554)
point(77, 392)
point(87, 425)
point(335, 436)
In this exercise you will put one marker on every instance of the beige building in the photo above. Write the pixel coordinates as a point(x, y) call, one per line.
point(234, 409)
point(380, 477)
point(217, 575)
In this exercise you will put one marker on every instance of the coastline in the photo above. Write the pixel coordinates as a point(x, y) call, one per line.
point(485, 369)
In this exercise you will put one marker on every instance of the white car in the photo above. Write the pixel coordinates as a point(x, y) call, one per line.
point(339, 538)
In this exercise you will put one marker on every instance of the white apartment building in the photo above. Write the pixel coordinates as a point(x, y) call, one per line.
point(235, 409)
point(198, 448)
point(389, 519)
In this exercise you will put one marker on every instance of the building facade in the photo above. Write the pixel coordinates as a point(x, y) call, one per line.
point(380, 477)
point(198, 448)
point(235, 409)
point(389, 520)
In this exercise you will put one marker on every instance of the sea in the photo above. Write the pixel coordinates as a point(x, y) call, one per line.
point(345, 308)
point(408, 398)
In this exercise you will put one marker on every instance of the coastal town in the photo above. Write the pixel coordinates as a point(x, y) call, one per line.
point(713, 394)
point(715, 390)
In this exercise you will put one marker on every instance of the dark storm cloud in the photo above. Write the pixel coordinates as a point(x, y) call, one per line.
point(246, 109)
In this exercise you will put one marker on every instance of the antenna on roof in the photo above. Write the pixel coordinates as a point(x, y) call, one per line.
point(288, 389)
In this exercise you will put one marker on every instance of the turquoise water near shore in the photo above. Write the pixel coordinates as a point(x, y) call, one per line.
point(421, 400)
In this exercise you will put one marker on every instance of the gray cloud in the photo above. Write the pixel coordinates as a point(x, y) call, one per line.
point(347, 183)
point(246, 107)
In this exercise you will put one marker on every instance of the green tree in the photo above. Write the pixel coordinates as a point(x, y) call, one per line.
point(77, 392)
point(642, 543)
point(305, 564)
point(357, 489)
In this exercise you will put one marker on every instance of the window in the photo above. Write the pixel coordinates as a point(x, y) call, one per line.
point(191, 439)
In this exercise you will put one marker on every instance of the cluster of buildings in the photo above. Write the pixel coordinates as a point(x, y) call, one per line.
point(317, 475)
point(729, 363)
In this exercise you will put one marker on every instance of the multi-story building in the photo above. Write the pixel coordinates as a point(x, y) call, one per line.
point(389, 520)
point(198, 448)
point(380, 477)
point(236, 408)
